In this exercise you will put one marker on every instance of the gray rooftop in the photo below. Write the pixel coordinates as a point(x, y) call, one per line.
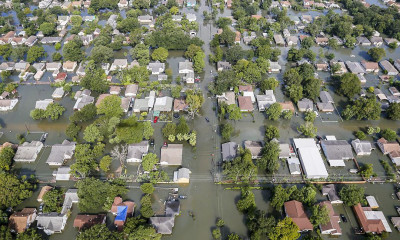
point(325, 97)
point(330, 190)
point(60, 152)
point(172, 208)
point(51, 221)
point(172, 154)
point(255, 148)
point(27, 152)
point(229, 151)
point(137, 150)
point(163, 104)
point(163, 225)
point(337, 149)
point(71, 196)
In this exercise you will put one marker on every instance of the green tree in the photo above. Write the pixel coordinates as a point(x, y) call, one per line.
point(13, 190)
point(352, 195)
point(160, 54)
point(147, 188)
point(37, 114)
point(360, 135)
point(311, 88)
point(149, 161)
point(54, 111)
point(285, 229)
point(376, 54)
point(53, 201)
point(271, 132)
point(110, 106)
point(247, 201)
point(194, 100)
point(137, 74)
point(72, 130)
point(198, 62)
point(268, 84)
point(57, 46)
point(145, 209)
point(105, 163)
point(141, 53)
point(389, 134)
point(363, 108)
point(280, 196)
point(307, 42)
point(310, 116)
point(307, 129)
point(295, 92)
point(6, 157)
point(319, 215)
point(101, 54)
point(47, 28)
point(234, 112)
point(148, 130)
point(95, 194)
point(169, 129)
point(98, 232)
point(35, 53)
point(29, 234)
point(92, 134)
point(226, 131)
point(393, 111)
point(87, 113)
point(270, 157)
point(182, 127)
point(274, 111)
point(72, 50)
point(56, 57)
point(191, 51)
point(367, 170)
point(349, 85)
point(241, 168)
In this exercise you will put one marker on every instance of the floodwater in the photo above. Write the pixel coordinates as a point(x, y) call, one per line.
point(207, 200)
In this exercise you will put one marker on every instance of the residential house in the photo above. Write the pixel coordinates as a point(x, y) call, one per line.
point(227, 97)
point(51, 40)
point(60, 153)
point(376, 41)
point(180, 105)
point(322, 67)
point(42, 104)
point(342, 69)
point(379, 94)
point(362, 148)
point(330, 191)
point(390, 148)
point(247, 91)
point(30, 41)
point(182, 176)
point(305, 105)
point(137, 151)
point(371, 221)
point(294, 165)
point(144, 105)
point(83, 99)
point(4, 95)
point(21, 66)
point(63, 20)
point(229, 151)
point(69, 66)
point(372, 203)
point(306, 18)
point(336, 151)
point(125, 104)
point(115, 90)
point(191, 3)
point(53, 66)
point(255, 148)
point(112, 21)
point(266, 100)
point(122, 4)
point(370, 67)
point(247, 38)
point(274, 67)
point(185, 67)
point(88, 18)
point(396, 222)
point(397, 64)
point(163, 225)
point(85, 221)
point(292, 40)
point(145, 19)
point(363, 41)
point(62, 173)
point(245, 104)
point(27, 152)
point(279, 39)
point(58, 93)
point(355, 67)
point(386, 65)
point(70, 197)
point(338, 40)
point(171, 155)
point(119, 64)
point(191, 17)
point(295, 210)
point(394, 91)
point(8, 104)
point(19, 222)
point(222, 66)
point(39, 74)
point(43, 191)
point(321, 41)
point(87, 39)
point(51, 222)
point(163, 104)
point(156, 67)
point(332, 227)
point(131, 90)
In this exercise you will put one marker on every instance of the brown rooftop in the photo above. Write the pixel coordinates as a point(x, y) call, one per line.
point(43, 191)
point(368, 225)
point(245, 103)
point(334, 220)
point(245, 88)
point(180, 105)
point(19, 221)
point(86, 221)
point(294, 209)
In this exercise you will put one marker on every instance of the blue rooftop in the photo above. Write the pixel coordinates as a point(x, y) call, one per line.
point(122, 212)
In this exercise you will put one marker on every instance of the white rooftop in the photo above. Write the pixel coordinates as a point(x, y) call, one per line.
point(372, 202)
point(378, 215)
point(310, 157)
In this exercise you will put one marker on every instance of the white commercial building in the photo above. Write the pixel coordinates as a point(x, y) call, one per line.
point(310, 158)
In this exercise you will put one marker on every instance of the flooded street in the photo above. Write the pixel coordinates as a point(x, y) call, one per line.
point(208, 201)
